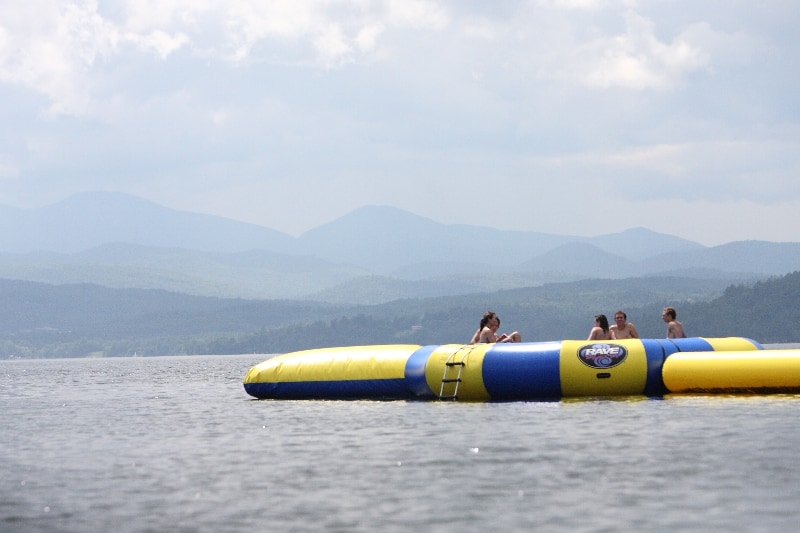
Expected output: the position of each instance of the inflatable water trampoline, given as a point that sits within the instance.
(527, 371)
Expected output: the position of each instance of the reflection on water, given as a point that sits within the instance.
(174, 443)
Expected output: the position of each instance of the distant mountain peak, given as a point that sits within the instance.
(162, 247)
(89, 219)
(371, 217)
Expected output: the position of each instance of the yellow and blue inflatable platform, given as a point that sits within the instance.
(527, 371)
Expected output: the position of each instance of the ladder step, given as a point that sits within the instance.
(455, 360)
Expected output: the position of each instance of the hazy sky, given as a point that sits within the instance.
(564, 116)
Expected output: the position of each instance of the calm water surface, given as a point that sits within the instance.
(175, 444)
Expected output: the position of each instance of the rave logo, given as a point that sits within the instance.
(602, 355)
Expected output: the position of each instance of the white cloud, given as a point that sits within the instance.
(50, 47)
(665, 159)
(735, 48)
(417, 14)
(763, 172)
(54, 47)
(368, 36)
(636, 59)
(332, 47)
(160, 42)
(481, 29)
(250, 22)
(143, 16)
(586, 5)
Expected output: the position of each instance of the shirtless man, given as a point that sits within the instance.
(622, 329)
(674, 328)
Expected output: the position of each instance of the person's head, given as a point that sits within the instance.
(487, 318)
(601, 321)
(669, 314)
(620, 318)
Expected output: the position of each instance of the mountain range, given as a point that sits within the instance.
(371, 255)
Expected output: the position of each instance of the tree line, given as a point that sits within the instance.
(84, 320)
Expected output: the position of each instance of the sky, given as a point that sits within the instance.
(574, 117)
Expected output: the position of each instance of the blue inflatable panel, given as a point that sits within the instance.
(691, 344)
(656, 351)
(415, 372)
(522, 371)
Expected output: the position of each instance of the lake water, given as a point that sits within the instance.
(175, 444)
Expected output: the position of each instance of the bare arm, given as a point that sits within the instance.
(476, 336)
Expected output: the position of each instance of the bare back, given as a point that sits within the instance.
(597, 334)
(675, 330)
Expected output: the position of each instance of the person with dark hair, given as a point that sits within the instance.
(622, 329)
(487, 331)
(600, 331)
(674, 328)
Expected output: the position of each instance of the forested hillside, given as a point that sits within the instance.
(39, 320)
(766, 311)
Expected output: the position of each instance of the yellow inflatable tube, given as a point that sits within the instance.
(750, 371)
(352, 371)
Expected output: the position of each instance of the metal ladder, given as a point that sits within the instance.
(454, 365)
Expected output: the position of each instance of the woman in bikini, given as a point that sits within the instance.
(600, 331)
(487, 331)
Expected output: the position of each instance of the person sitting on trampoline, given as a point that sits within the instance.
(487, 331)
